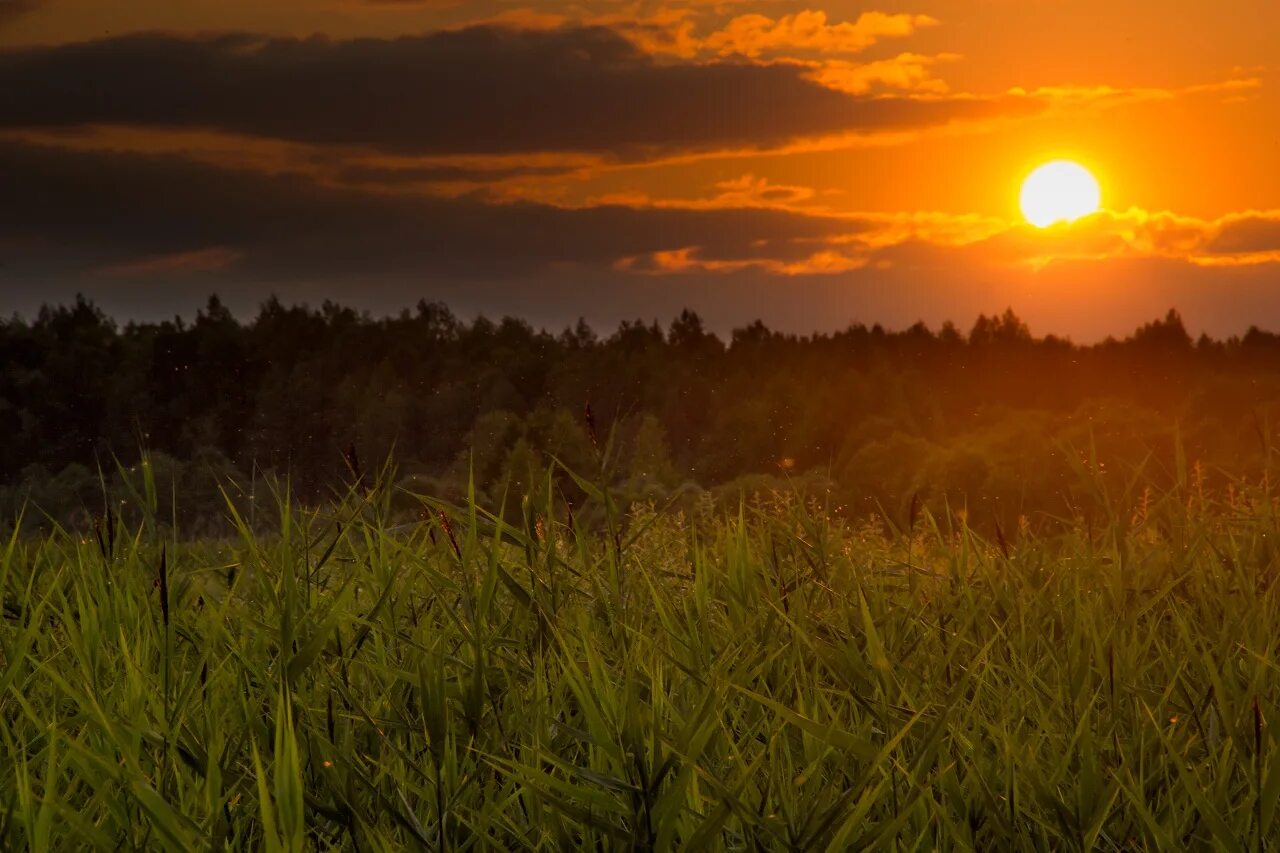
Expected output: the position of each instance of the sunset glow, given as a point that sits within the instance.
(557, 160)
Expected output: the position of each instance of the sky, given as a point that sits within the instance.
(808, 165)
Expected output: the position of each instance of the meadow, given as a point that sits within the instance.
(770, 676)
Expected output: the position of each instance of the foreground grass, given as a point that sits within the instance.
(766, 680)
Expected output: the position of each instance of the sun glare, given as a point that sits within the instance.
(1061, 191)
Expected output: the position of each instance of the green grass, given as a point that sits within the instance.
(764, 679)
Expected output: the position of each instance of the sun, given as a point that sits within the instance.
(1060, 191)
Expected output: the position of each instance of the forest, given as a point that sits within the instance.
(1007, 427)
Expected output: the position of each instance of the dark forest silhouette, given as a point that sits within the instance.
(868, 417)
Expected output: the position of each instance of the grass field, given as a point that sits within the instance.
(769, 678)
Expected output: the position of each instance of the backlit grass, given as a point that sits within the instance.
(767, 678)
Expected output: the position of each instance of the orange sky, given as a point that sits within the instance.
(811, 165)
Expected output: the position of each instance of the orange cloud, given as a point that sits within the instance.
(741, 192)
(906, 71)
(667, 31)
(198, 260)
(751, 191)
(1240, 239)
(753, 35)
(1113, 96)
(932, 241)
(690, 260)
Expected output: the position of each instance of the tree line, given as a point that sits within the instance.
(994, 421)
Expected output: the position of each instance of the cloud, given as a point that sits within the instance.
(196, 260)
(742, 192)
(1090, 97)
(141, 215)
(524, 18)
(692, 260)
(1235, 239)
(360, 174)
(161, 223)
(925, 243)
(153, 233)
(338, 165)
(1247, 234)
(938, 242)
(751, 191)
(906, 71)
(755, 35)
(480, 90)
(668, 30)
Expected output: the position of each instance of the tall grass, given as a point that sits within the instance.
(765, 679)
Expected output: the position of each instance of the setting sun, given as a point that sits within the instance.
(1061, 191)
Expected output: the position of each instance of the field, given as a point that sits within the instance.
(766, 677)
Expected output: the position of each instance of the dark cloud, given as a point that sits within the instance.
(1247, 235)
(477, 90)
(83, 211)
